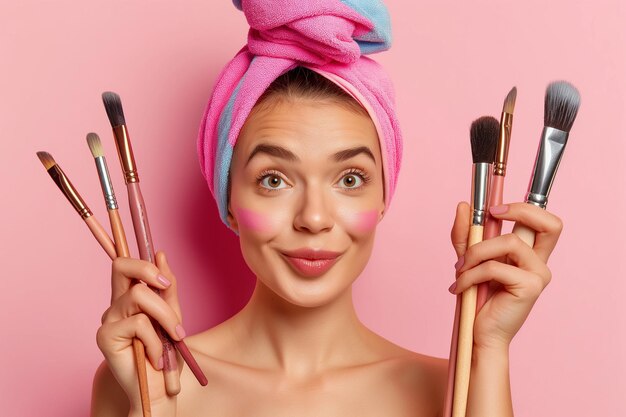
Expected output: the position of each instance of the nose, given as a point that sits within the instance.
(314, 214)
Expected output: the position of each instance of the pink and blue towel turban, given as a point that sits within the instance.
(329, 37)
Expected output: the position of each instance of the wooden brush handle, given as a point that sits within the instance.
(454, 344)
(142, 375)
(101, 236)
(466, 338)
(121, 246)
(525, 233)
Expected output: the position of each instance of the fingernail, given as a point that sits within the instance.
(452, 287)
(499, 209)
(160, 363)
(180, 331)
(459, 263)
(163, 280)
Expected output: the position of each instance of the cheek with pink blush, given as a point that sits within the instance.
(263, 222)
(252, 220)
(361, 222)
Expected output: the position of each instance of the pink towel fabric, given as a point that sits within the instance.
(326, 36)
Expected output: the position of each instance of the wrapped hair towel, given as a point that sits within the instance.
(329, 37)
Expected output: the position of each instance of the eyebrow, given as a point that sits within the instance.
(352, 152)
(273, 150)
(280, 152)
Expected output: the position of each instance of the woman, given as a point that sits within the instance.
(303, 168)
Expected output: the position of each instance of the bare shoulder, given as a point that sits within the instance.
(418, 378)
(424, 376)
(108, 399)
(215, 341)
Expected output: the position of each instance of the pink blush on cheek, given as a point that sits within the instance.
(365, 221)
(252, 220)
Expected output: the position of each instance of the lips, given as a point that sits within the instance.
(311, 262)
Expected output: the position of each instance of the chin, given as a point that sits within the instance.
(312, 295)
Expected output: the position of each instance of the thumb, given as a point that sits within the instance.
(460, 229)
(170, 294)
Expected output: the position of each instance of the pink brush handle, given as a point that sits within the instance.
(140, 222)
(493, 228)
(146, 252)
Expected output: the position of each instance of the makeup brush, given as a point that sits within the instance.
(493, 226)
(115, 113)
(484, 140)
(70, 192)
(121, 246)
(119, 236)
(561, 106)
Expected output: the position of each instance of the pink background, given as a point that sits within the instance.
(451, 62)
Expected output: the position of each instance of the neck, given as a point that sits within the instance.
(301, 341)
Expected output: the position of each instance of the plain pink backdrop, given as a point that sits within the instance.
(451, 62)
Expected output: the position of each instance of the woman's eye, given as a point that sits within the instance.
(273, 182)
(351, 181)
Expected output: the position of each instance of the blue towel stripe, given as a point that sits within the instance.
(224, 154)
(379, 38)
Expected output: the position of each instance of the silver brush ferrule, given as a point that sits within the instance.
(480, 181)
(549, 155)
(105, 183)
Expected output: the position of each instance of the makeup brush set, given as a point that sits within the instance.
(490, 147)
(118, 246)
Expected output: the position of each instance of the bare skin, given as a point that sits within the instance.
(297, 347)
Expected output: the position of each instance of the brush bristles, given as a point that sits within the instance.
(113, 106)
(509, 101)
(484, 138)
(46, 159)
(95, 146)
(561, 105)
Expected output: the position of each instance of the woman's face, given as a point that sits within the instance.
(306, 176)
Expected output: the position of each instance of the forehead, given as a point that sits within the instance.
(308, 127)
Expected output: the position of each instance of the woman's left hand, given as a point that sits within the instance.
(518, 273)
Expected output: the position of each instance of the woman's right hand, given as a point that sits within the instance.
(133, 304)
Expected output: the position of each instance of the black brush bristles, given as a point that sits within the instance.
(113, 106)
(561, 105)
(484, 138)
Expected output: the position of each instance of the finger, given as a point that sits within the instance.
(518, 282)
(509, 245)
(135, 326)
(460, 229)
(125, 270)
(141, 299)
(170, 294)
(546, 225)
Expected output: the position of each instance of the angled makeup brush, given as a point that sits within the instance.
(493, 226)
(484, 140)
(115, 113)
(561, 106)
(70, 192)
(121, 246)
